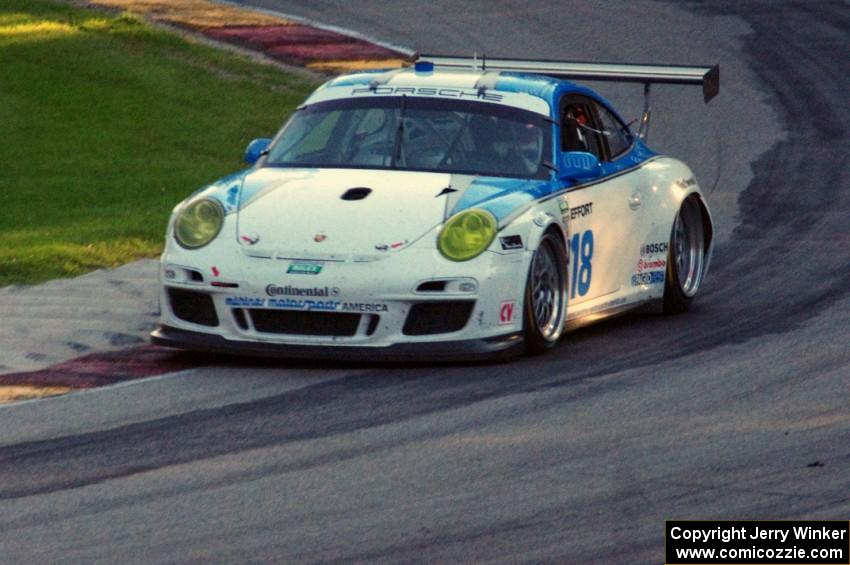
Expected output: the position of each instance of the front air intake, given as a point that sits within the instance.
(304, 323)
(427, 318)
(192, 306)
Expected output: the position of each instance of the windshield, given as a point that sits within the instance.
(414, 133)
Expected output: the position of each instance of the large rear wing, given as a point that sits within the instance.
(706, 76)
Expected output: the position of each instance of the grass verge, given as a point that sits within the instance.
(107, 124)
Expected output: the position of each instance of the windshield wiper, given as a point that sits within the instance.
(399, 133)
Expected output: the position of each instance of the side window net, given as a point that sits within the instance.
(578, 132)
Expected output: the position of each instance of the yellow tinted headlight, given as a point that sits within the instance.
(198, 223)
(466, 235)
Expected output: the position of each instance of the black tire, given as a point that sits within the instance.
(685, 257)
(545, 310)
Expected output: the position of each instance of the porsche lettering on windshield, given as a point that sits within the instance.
(461, 93)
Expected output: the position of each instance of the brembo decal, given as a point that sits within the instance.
(647, 264)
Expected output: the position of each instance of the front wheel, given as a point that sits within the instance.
(685, 258)
(545, 296)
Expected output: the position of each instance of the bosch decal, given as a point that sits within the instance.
(653, 248)
(507, 311)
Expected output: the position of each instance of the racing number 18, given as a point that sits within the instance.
(581, 252)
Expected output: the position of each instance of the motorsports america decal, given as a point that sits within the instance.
(305, 305)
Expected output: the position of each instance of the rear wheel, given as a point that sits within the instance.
(685, 258)
(545, 296)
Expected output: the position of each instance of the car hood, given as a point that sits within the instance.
(337, 213)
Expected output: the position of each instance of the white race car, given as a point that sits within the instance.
(455, 208)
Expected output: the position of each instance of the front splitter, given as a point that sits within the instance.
(496, 348)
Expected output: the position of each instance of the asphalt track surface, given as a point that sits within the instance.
(735, 410)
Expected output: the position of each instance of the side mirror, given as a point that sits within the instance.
(579, 165)
(255, 149)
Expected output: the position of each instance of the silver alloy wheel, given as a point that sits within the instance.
(547, 294)
(689, 247)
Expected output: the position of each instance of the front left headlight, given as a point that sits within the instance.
(198, 223)
(466, 235)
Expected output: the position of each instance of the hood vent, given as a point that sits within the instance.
(357, 193)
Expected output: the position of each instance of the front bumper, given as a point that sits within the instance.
(500, 347)
(412, 305)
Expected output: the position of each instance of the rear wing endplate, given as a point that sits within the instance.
(706, 76)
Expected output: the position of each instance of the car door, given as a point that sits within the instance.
(604, 213)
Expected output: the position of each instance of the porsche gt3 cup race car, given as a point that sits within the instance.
(455, 208)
